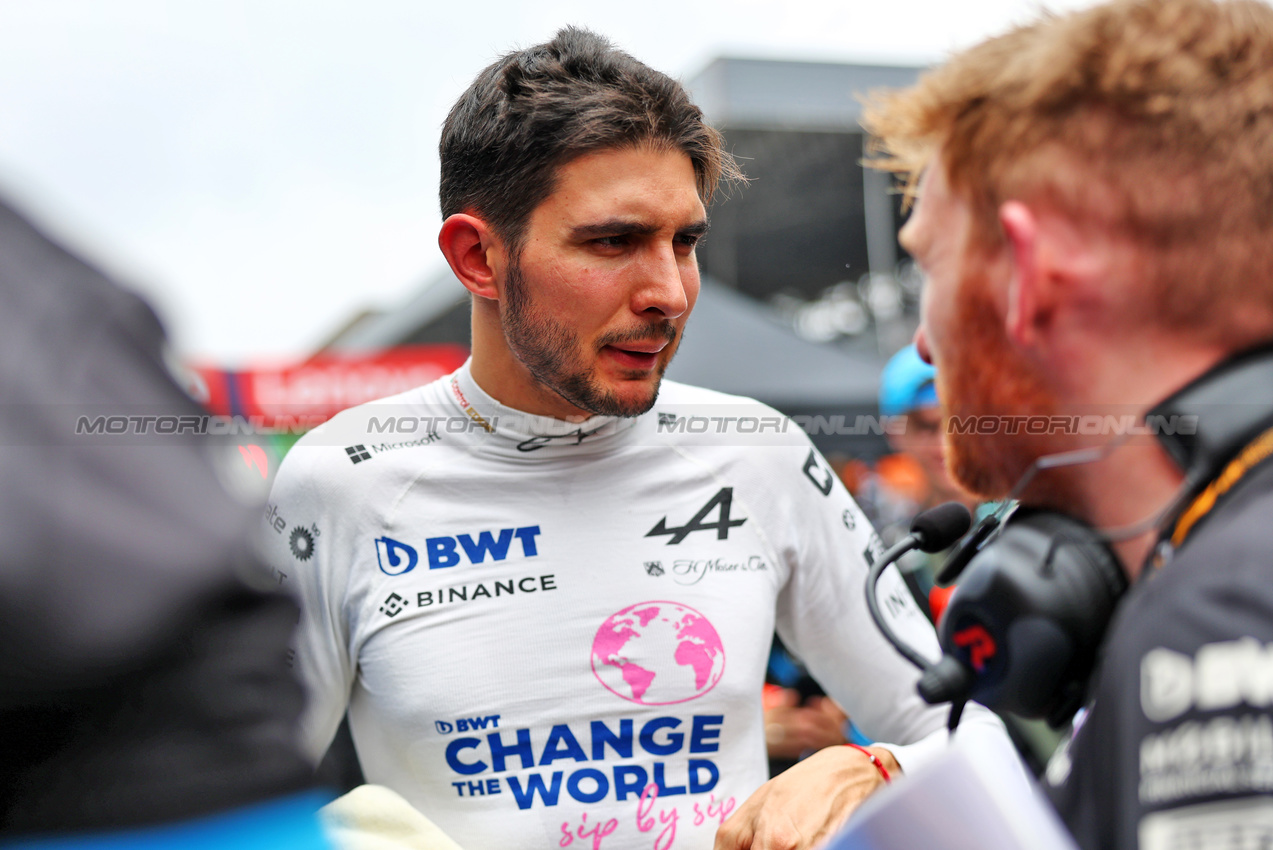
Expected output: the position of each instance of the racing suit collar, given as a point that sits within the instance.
(1228, 406)
(528, 433)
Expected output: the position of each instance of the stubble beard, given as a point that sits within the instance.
(553, 354)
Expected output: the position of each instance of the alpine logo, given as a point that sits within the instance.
(722, 501)
(395, 557)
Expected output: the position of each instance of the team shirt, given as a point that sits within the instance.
(554, 634)
(1176, 750)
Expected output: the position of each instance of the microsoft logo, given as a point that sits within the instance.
(357, 454)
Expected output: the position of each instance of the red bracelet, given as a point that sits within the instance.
(875, 760)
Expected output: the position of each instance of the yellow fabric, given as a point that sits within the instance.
(1256, 451)
(372, 817)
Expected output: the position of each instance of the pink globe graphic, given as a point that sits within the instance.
(658, 653)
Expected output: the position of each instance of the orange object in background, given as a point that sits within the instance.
(773, 696)
(854, 474)
(903, 474)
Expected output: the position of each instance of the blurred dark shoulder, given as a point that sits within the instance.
(143, 654)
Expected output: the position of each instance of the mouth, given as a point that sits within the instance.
(636, 356)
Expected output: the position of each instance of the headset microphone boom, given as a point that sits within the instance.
(1021, 631)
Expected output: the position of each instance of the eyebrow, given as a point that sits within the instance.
(615, 226)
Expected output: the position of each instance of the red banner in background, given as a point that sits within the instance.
(300, 396)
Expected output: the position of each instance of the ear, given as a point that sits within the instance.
(1027, 302)
(474, 252)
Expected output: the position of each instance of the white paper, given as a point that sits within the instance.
(957, 802)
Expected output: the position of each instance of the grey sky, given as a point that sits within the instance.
(263, 168)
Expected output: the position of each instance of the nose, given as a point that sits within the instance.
(921, 345)
(667, 284)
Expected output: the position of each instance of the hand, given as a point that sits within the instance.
(791, 730)
(806, 804)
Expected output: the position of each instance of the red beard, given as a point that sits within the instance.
(982, 380)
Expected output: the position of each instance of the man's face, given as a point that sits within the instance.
(962, 333)
(595, 304)
(923, 441)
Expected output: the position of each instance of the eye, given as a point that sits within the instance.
(611, 242)
(688, 241)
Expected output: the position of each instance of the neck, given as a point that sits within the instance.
(1115, 368)
(1138, 480)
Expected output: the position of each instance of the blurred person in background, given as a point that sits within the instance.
(549, 620)
(146, 695)
(908, 387)
(1095, 221)
(914, 478)
(800, 719)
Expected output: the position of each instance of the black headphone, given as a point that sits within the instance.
(1023, 629)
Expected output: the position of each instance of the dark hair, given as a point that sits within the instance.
(536, 109)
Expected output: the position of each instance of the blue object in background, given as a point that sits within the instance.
(287, 823)
(907, 383)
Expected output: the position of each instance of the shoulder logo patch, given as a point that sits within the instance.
(722, 501)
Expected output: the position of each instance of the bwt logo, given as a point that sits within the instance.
(465, 724)
(396, 557)
(1218, 676)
